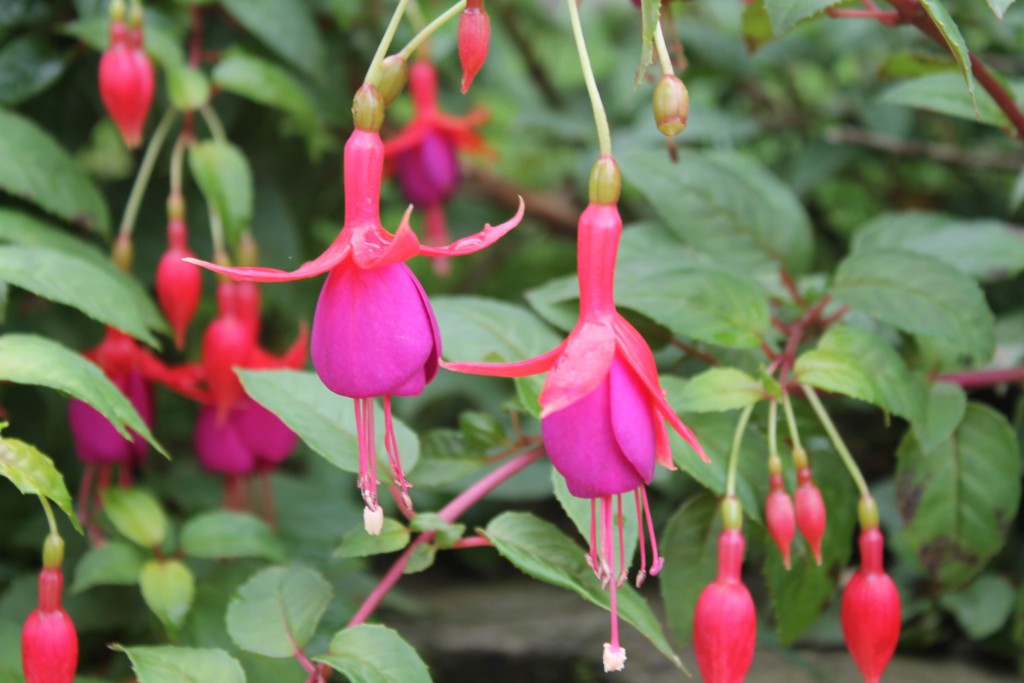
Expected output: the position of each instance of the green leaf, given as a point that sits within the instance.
(445, 458)
(1000, 6)
(168, 664)
(224, 534)
(374, 654)
(26, 230)
(650, 14)
(959, 499)
(111, 564)
(954, 41)
(545, 553)
(718, 389)
(943, 410)
(222, 172)
(35, 168)
(324, 420)
(675, 286)
(421, 559)
(168, 588)
(28, 65)
(481, 430)
(277, 610)
(726, 205)
(446, 534)
(137, 515)
(578, 510)
(28, 359)
(690, 543)
(920, 295)
(857, 362)
(78, 283)
(286, 28)
(188, 88)
(35, 474)
(983, 607)
(985, 249)
(943, 93)
(357, 543)
(785, 14)
(757, 25)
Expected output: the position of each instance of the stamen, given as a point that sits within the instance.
(391, 445)
(371, 452)
(373, 520)
(657, 562)
(623, 569)
(641, 575)
(614, 655)
(361, 437)
(614, 658)
(591, 556)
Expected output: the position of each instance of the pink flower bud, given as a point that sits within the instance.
(780, 517)
(810, 512)
(871, 614)
(178, 284)
(49, 643)
(126, 82)
(725, 622)
(474, 39)
(227, 344)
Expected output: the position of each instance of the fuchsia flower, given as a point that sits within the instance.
(49, 642)
(374, 331)
(424, 152)
(126, 78)
(603, 411)
(474, 40)
(178, 285)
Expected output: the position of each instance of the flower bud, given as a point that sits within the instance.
(605, 181)
(178, 284)
(123, 252)
(368, 109)
(871, 615)
(126, 82)
(226, 344)
(394, 72)
(780, 517)
(49, 643)
(725, 622)
(671, 105)
(810, 512)
(474, 40)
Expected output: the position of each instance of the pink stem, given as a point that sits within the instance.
(974, 379)
(473, 542)
(449, 513)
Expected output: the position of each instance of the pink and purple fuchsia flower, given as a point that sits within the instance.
(603, 411)
(374, 332)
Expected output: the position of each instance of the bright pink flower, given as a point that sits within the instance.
(871, 614)
(725, 622)
(474, 40)
(178, 285)
(810, 511)
(126, 81)
(780, 517)
(49, 642)
(603, 411)
(361, 342)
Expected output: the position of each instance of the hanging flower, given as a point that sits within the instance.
(126, 77)
(474, 40)
(49, 642)
(603, 411)
(374, 332)
(424, 153)
(178, 285)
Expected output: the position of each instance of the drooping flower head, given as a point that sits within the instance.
(474, 40)
(811, 517)
(49, 642)
(423, 153)
(603, 412)
(126, 75)
(779, 516)
(178, 285)
(374, 331)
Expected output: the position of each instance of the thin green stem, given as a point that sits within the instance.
(604, 134)
(787, 407)
(213, 123)
(177, 166)
(837, 441)
(429, 29)
(131, 209)
(734, 454)
(415, 13)
(49, 515)
(664, 59)
(773, 438)
(385, 42)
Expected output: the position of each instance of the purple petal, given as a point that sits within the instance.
(632, 419)
(140, 393)
(96, 440)
(374, 333)
(220, 446)
(429, 172)
(263, 432)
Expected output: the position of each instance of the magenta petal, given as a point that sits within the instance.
(264, 433)
(220, 446)
(582, 444)
(96, 440)
(429, 172)
(140, 393)
(374, 332)
(632, 419)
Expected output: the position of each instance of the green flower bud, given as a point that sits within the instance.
(605, 181)
(368, 108)
(671, 105)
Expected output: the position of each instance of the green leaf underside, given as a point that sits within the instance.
(29, 359)
(33, 473)
(545, 553)
(718, 389)
(225, 534)
(34, 167)
(112, 564)
(726, 206)
(943, 411)
(357, 543)
(958, 500)
(859, 363)
(920, 295)
(578, 510)
(785, 14)
(168, 664)
(324, 420)
(137, 515)
(277, 610)
(954, 41)
(375, 654)
(168, 588)
(650, 14)
(944, 93)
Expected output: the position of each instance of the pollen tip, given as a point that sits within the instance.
(373, 520)
(641, 577)
(657, 565)
(614, 658)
